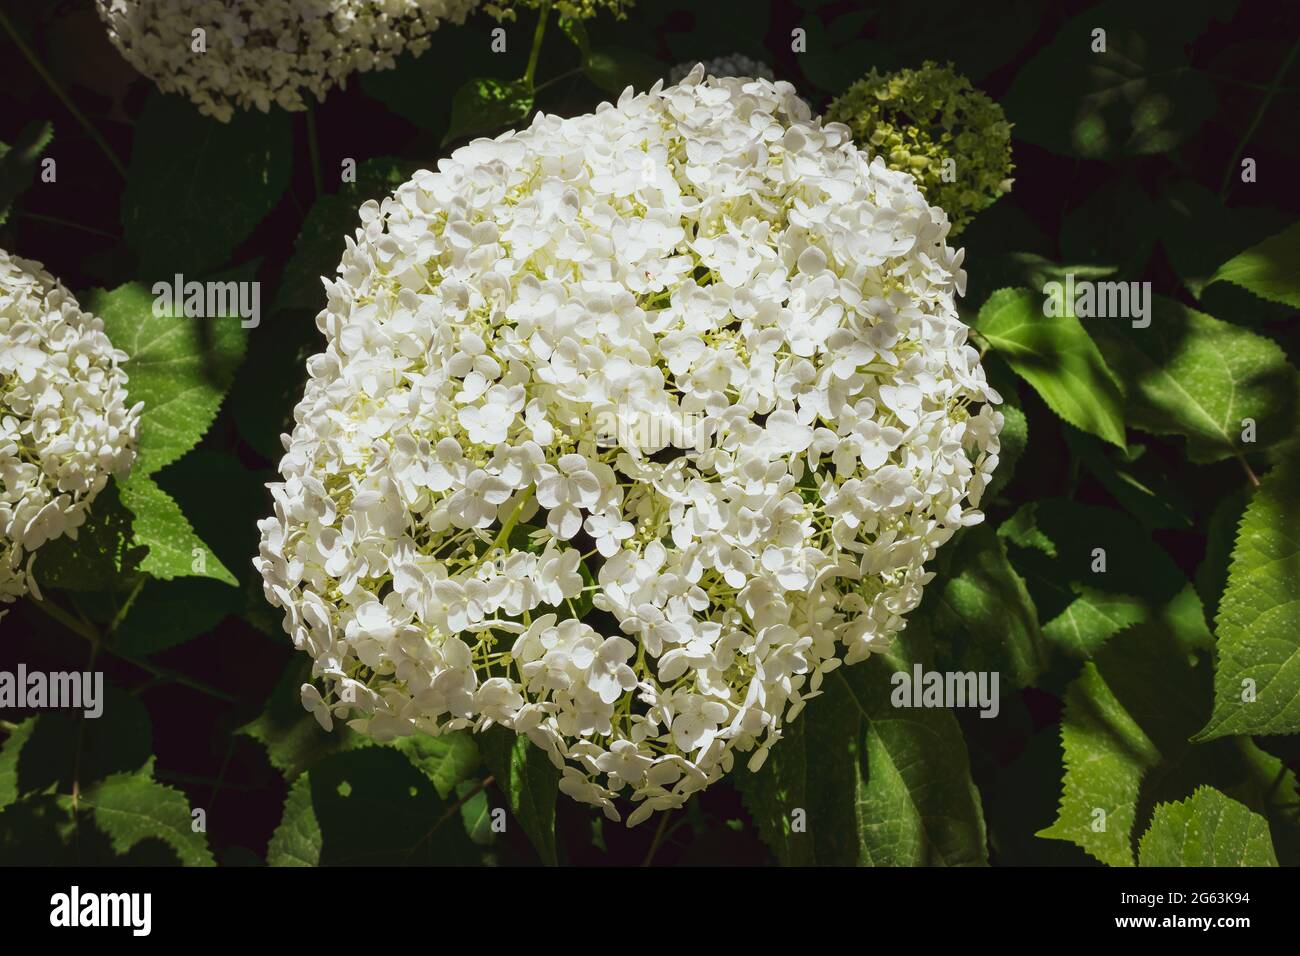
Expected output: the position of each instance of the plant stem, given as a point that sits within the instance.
(58, 91)
(504, 535)
(126, 606)
(53, 611)
(1250, 472)
(221, 775)
(55, 220)
(1273, 90)
(658, 838)
(534, 55)
(89, 633)
(451, 811)
(555, 79)
(175, 677)
(81, 734)
(313, 148)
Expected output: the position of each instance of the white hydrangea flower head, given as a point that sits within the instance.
(268, 53)
(691, 361)
(64, 422)
(737, 64)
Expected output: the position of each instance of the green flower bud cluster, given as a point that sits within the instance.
(919, 120)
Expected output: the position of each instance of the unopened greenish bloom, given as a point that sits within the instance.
(931, 123)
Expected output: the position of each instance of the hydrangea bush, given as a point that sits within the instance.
(269, 53)
(710, 350)
(65, 425)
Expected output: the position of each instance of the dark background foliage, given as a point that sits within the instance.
(195, 660)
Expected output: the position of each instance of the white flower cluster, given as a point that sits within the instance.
(269, 52)
(630, 428)
(737, 64)
(64, 422)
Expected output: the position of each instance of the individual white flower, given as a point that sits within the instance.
(609, 676)
(696, 722)
(255, 55)
(64, 422)
(609, 532)
(549, 308)
(567, 491)
(316, 706)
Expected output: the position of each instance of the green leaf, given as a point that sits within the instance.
(1258, 626)
(1115, 225)
(418, 89)
(1126, 717)
(174, 549)
(576, 31)
(178, 367)
(320, 243)
(1014, 437)
(9, 754)
(530, 783)
(169, 613)
(897, 779)
(133, 807)
(1190, 374)
(981, 616)
(293, 739)
(1025, 270)
(1142, 487)
(1055, 546)
(373, 808)
(1068, 535)
(119, 741)
(448, 760)
(101, 556)
(1221, 538)
(41, 831)
(1271, 269)
(230, 531)
(197, 188)
(476, 813)
(1199, 233)
(1017, 803)
(834, 59)
(1091, 619)
(1139, 97)
(1125, 735)
(780, 788)
(485, 105)
(614, 69)
(1056, 357)
(18, 162)
(917, 804)
(297, 840)
(1207, 829)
